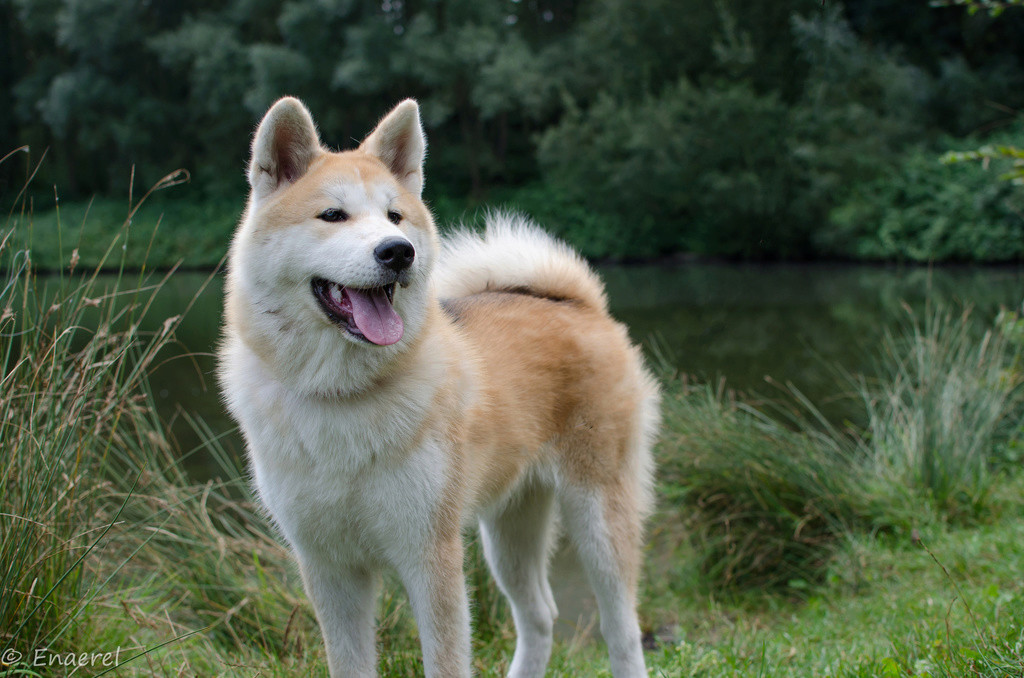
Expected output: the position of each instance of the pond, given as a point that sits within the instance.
(737, 322)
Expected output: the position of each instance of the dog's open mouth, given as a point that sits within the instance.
(367, 314)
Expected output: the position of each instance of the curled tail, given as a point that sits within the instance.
(514, 254)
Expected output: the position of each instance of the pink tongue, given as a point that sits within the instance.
(375, 317)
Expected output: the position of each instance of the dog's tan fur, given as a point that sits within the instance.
(511, 391)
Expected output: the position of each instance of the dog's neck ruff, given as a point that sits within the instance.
(394, 368)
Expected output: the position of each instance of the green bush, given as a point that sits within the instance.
(721, 167)
(922, 210)
(690, 169)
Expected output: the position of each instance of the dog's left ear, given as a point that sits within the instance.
(399, 142)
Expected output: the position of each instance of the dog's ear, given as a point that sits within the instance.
(285, 144)
(399, 142)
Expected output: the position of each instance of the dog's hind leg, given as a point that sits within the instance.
(345, 601)
(516, 543)
(604, 524)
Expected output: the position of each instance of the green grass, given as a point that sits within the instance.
(887, 609)
(782, 546)
(172, 228)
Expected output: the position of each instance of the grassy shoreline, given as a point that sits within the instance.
(834, 554)
(195, 231)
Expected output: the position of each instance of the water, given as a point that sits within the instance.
(741, 323)
(792, 323)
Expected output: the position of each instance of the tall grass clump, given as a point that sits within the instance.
(948, 398)
(72, 403)
(765, 503)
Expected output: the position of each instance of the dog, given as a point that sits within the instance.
(395, 389)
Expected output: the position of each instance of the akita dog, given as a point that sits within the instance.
(394, 389)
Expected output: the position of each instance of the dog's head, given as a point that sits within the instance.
(334, 247)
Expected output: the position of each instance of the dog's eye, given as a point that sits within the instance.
(394, 217)
(333, 214)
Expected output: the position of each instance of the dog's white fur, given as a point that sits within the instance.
(379, 455)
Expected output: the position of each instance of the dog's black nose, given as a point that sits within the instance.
(395, 253)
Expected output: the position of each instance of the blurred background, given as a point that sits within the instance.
(764, 129)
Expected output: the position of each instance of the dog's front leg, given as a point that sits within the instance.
(344, 599)
(437, 592)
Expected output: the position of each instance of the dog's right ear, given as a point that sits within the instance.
(285, 144)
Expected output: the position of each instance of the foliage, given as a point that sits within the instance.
(988, 153)
(922, 210)
(725, 169)
(711, 127)
(993, 7)
(704, 161)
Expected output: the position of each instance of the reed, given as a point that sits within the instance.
(73, 407)
(948, 399)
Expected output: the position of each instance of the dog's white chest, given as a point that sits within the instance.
(330, 475)
(373, 511)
